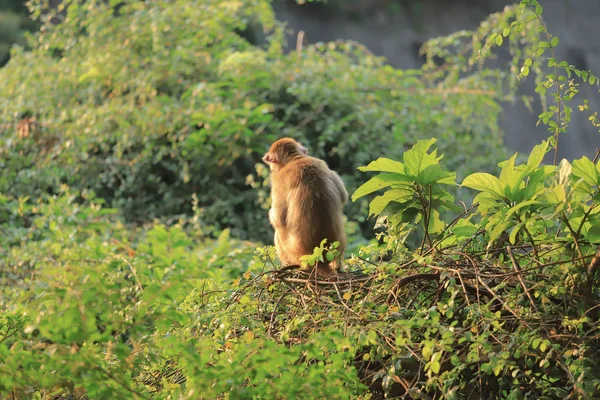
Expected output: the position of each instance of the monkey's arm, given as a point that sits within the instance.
(339, 185)
(278, 214)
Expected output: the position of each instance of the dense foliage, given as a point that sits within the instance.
(13, 25)
(169, 99)
(162, 109)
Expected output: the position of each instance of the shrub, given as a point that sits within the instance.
(494, 300)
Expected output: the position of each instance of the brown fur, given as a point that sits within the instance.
(307, 200)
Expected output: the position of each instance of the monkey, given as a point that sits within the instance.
(307, 200)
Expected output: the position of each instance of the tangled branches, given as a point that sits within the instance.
(455, 322)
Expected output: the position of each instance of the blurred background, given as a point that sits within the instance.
(396, 30)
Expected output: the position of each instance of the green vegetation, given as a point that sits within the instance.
(169, 100)
(14, 24)
(132, 183)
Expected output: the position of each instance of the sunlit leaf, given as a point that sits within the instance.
(483, 182)
(379, 182)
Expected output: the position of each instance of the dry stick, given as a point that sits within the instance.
(293, 289)
(597, 155)
(251, 281)
(409, 279)
(137, 280)
(466, 293)
(274, 312)
(337, 290)
(505, 274)
(317, 282)
(485, 285)
(517, 268)
(574, 234)
(418, 90)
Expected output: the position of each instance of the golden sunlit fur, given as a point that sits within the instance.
(307, 201)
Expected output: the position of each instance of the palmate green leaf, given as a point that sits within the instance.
(585, 169)
(417, 159)
(484, 182)
(509, 177)
(523, 172)
(384, 165)
(380, 202)
(535, 184)
(379, 182)
(435, 174)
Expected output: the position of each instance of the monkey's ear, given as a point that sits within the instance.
(270, 158)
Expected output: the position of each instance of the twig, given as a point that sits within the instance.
(137, 280)
(417, 90)
(409, 279)
(597, 155)
(517, 268)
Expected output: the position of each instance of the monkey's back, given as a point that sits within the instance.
(314, 204)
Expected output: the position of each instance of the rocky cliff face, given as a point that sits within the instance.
(398, 34)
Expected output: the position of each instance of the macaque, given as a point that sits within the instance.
(307, 200)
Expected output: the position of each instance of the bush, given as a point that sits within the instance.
(92, 308)
(496, 300)
(169, 99)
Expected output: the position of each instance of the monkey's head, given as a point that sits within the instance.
(283, 151)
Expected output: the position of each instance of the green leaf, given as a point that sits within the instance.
(435, 365)
(585, 169)
(499, 40)
(593, 234)
(379, 182)
(384, 165)
(436, 224)
(497, 231)
(509, 177)
(380, 202)
(515, 231)
(417, 159)
(435, 174)
(483, 182)
(516, 178)
(554, 41)
(465, 230)
(537, 155)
